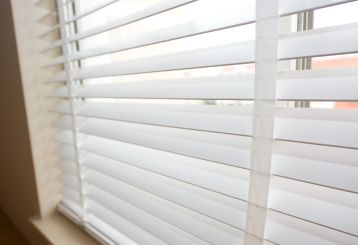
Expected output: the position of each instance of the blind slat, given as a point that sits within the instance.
(225, 181)
(323, 165)
(294, 6)
(318, 126)
(284, 229)
(221, 148)
(221, 87)
(121, 225)
(335, 89)
(203, 25)
(198, 225)
(139, 15)
(91, 10)
(228, 180)
(285, 8)
(338, 84)
(319, 42)
(221, 119)
(176, 61)
(227, 149)
(99, 228)
(212, 204)
(325, 206)
(300, 44)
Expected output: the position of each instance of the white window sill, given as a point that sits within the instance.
(58, 230)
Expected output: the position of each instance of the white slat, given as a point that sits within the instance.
(106, 232)
(122, 225)
(300, 44)
(285, 7)
(319, 42)
(166, 231)
(323, 84)
(196, 224)
(91, 10)
(223, 179)
(145, 13)
(201, 200)
(325, 206)
(222, 119)
(217, 118)
(229, 180)
(336, 127)
(284, 229)
(200, 26)
(175, 61)
(329, 166)
(221, 87)
(228, 149)
(294, 6)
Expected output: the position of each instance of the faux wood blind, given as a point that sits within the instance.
(183, 133)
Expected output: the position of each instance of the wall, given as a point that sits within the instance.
(32, 18)
(18, 195)
(29, 162)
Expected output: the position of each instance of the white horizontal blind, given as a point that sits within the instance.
(313, 193)
(171, 118)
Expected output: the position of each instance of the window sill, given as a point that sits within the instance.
(58, 230)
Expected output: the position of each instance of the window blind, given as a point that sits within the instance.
(176, 123)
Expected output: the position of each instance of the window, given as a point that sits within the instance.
(201, 122)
